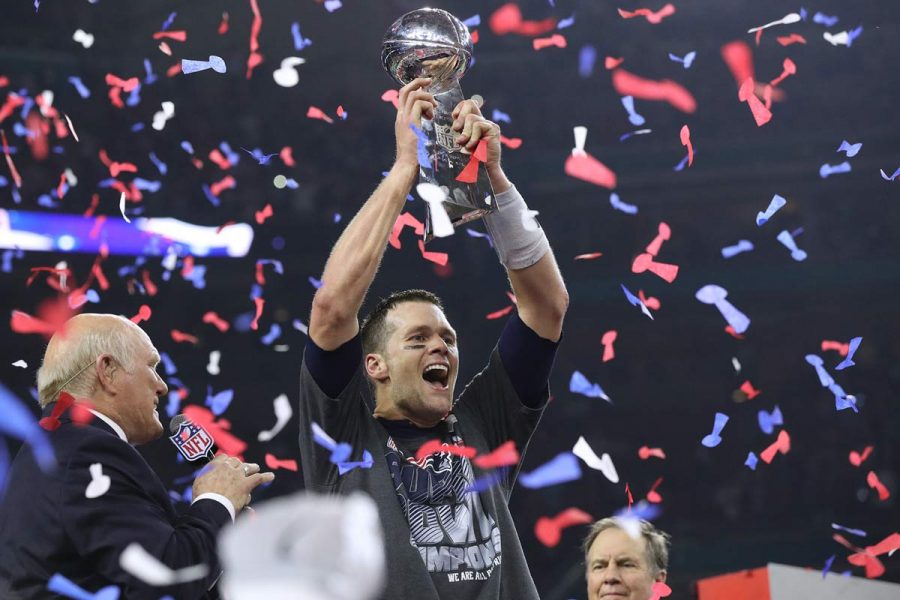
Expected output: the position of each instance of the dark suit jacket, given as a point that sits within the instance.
(48, 525)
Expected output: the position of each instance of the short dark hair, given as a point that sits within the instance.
(374, 329)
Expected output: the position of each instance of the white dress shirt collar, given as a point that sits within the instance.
(115, 426)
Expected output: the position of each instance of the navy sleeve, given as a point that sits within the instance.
(527, 358)
(333, 369)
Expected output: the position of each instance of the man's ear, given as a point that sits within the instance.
(661, 576)
(377, 368)
(106, 368)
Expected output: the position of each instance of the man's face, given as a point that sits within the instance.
(617, 568)
(423, 361)
(139, 393)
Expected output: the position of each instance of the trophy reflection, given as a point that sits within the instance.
(430, 42)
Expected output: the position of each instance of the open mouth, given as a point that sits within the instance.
(437, 375)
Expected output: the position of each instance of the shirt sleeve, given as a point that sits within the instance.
(332, 370)
(528, 359)
(229, 506)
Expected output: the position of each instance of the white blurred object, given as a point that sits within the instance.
(283, 414)
(146, 567)
(435, 196)
(305, 546)
(83, 38)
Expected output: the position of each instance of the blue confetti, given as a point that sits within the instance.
(851, 149)
(168, 21)
(587, 57)
(473, 21)
(160, 165)
(826, 169)
(823, 19)
(500, 116)
(218, 403)
(83, 91)
(848, 362)
(741, 246)
(564, 467)
(567, 22)
(714, 439)
(751, 461)
(151, 77)
(768, 421)
(579, 384)
(300, 42)
(316, 283)
(616, 203)
(60, 585)
(635, 301)
(274, 334)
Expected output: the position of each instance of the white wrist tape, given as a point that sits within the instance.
(518, 245)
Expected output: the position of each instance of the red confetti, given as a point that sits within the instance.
(287, 156)
(260, 303)
(607, 342)
(652, 17)
(217, 157)
(730, 331)
(499, 313)
(277, 463)
(508, 19)
(439, 258)
(470, 173)
(782, 444)
(474, 34)
(225, 440)
(174, 70)
(611, 63)
(97, 271)
(148, 283)
(404, 220)
(664, 234)
(180, 336)
(481, 150)
(223, 26)
(225, 184)
(13, 101)
(548, 530)
(628, 84)
(127, 85)
(628, 495)
(644, 262)
(645, 452)
(761, 114)
(511, 143)
(686, 141)
(178, 36)
(652, 495)
(649, 301)
(748, 390)
(503, 456)
(856, 459)
(340, 112)
(875, 484)
(216, 321)
(315, 112)
(660, 590)
(95, 201)
(843, 349)
(17, 179)
(224, 225)
(432, 446)
(392, 96)
(587, 168)
(265, 213)
(789, 68)
(556, 39)
(188, 266)
(589, 256)
(794, 38)
(21, 322)
(143, 314)
(888, 544)
(255, 59)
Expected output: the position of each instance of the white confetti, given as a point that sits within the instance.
(84, 38)
(213, 367)
(21, 364)
(283, 414)
(71, 127)
(160, 118)
(287, 75)
(99, 484)
(146, 567)
(440, 220)
(603, 464)
(122, 207)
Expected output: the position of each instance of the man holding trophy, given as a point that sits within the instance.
(386, 388)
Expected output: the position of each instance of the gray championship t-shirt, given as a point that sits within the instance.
(447, 527)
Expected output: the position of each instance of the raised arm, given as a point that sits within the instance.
(354, 260)
(530, 265)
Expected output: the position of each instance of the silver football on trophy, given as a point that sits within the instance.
(428, 42)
